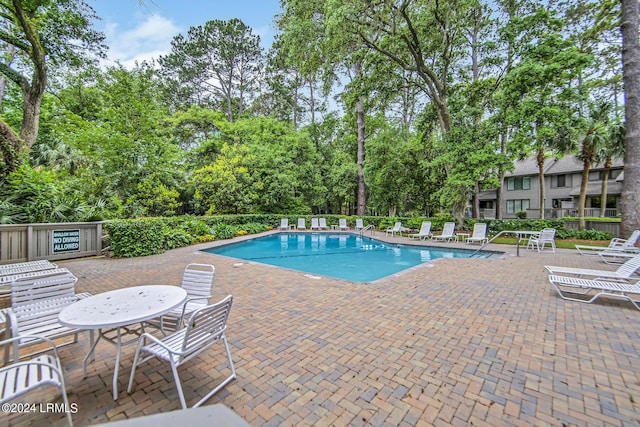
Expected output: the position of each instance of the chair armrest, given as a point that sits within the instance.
(35, 338)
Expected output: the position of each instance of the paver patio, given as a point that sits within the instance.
(460, 342)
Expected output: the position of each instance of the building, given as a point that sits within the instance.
(562, 178)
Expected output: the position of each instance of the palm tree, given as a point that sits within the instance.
(594, 138)
(613, 148)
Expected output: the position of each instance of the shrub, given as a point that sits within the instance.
(224, 231)
(135, 237)
(175, 238)
(521, 214)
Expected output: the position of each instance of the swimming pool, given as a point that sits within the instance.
(343, 256)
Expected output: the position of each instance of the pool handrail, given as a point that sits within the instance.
(518, 238)
(368, 227)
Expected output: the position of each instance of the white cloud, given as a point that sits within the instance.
(149, 39)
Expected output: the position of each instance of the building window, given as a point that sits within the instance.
(613, 174)
(516, 205)
(562, 180)
(520, 183)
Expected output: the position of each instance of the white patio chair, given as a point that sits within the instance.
(625, 273)
(479, 233)
(205, 328)
(425, 231)
(448, 232)
(19, 378)
(342, 224)
(397, 228)
(315, 225)
(197, 280)
(615, 245)
(301, 224)
(284, 224)
(359, 224)
(546, 236)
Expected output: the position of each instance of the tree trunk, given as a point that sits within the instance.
(605, 187)
(540, 160)
(10, 145)
(586, 165)
(630, 202)
(362, 191)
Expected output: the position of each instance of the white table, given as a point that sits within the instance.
(117, 309)
(520, 234)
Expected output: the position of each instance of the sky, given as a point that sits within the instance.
(139, 32)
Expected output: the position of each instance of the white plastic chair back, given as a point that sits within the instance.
(284, 223)
(359, 224)
(632, 240)
(448, 229)
(479, 230)
(198, 280)
(629, 268)
(205, 327)
(323, 223)
(301, 223)
(343, 224)
(425, 228)
(314, 223)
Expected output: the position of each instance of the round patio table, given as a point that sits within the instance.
(117, 309)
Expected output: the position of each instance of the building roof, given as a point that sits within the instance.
(571, 163)
(553, 166)
(528, 166)
(595, 189)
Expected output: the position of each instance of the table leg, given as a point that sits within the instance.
(91, 351)
(115, 369)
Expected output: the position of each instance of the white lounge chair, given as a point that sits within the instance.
(397, 228)
(359, 224)
(301, 224)
(479, 233)
(342, 224)
(447, 232)
(425, 231)
(323, 224)
(315, 225)
(615, 245)
(624, 273)
(546, 236)
(576, 286)
(616, 257)
(284, 224)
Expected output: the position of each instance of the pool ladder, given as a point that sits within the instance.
(368, 227)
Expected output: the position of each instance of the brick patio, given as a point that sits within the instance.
(460, 342)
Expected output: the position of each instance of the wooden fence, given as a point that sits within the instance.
(31, 242)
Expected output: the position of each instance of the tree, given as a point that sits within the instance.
(44, 33)
(593, 141)
(226, 186)
(630, 202)
(218, 64)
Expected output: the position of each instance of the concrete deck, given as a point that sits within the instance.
(484, 342)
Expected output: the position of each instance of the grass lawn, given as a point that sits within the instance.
(560, 243)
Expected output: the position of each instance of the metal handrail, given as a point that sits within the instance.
(368, 227)
(518, 238)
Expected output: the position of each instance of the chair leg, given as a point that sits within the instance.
(178, 385)
(226, 381)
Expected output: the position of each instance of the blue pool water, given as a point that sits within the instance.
(344, 256)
